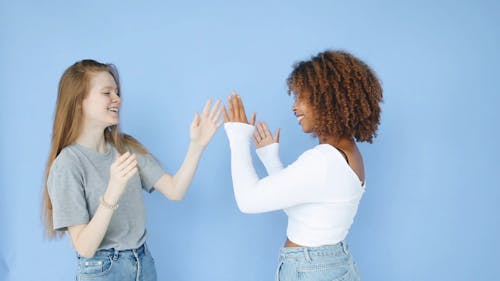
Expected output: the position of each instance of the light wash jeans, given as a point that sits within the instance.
(325, 263)
(110, 265)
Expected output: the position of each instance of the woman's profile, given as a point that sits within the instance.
(96, 175)
(337, 99)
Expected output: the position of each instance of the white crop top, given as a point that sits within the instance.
(319, 192)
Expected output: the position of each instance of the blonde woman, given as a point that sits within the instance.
(96, 175)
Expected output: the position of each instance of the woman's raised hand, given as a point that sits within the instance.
(236, 111)
(124, 167)
(205, 125)
(263, 135)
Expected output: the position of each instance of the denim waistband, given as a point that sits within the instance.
(308, 252)
(115, 254)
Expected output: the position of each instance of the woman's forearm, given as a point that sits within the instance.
(175, 187)
(269, 155)
(86, 238)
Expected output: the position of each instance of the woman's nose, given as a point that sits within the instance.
(116, 98)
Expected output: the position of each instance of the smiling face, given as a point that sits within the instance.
(304, 112)
(101, 106)
(343, 94)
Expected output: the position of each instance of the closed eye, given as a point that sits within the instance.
(108, 93)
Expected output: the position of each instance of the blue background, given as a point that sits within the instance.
(431, 209)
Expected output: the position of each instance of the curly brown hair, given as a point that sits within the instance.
(344, 92)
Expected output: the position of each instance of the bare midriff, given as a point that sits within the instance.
(289, 244)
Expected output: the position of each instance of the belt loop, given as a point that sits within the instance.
(307, 255)
(278, 270)
(344, 247)
(115, 254)
(138, 263)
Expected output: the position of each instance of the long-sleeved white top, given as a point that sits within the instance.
(319, 192)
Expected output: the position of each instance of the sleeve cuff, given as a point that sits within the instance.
(238, 131)
(268, 152)
(269, 156)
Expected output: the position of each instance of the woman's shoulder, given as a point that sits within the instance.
(313, 155)
(316, 151)
(66, 159)
(330, 152)
(322, 154)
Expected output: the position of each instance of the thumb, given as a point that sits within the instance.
(252, 119)
(277, 135)
(196, 120)
(226, 116)
(116, 160)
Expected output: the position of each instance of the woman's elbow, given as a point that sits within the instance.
(246, 207)
(84, 249)
(86, 253)
(176, 197)
(171, 193)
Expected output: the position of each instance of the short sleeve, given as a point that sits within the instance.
(150, 170)
(66, 191)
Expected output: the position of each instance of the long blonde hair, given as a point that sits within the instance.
(73, 88)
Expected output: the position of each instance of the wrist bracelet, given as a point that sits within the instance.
(107, 205)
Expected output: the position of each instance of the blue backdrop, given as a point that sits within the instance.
(431, 209)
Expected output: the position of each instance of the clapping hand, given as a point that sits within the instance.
(122, 169)
(205, 125)
(263, 135)
(236, 112)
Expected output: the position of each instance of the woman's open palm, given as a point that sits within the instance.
(236, 111)
(263, 136)
(205, 125)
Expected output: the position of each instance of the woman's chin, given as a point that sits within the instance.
(306, 130)
(115, 123)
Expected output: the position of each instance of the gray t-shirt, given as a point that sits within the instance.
(79, 177)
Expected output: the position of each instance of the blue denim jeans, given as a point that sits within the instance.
(325, 263)
(110, 265)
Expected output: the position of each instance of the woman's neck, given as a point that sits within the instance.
(93, 139)
(338, 142)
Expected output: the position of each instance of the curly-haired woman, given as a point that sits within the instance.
(337, 99)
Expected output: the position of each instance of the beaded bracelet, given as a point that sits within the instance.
(107, 205)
